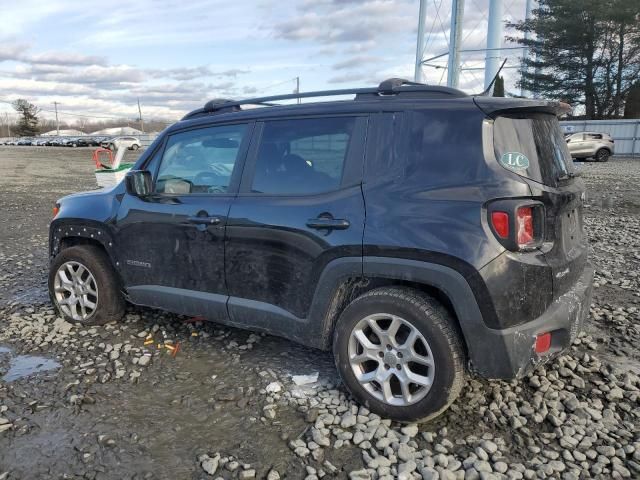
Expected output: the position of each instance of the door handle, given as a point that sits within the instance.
(328, 223)
(204, 220)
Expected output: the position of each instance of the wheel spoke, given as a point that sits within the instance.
(366, 355)
(376, 328)
(367, 377)
(364, 341)
(416, 378)
(392, 331)
(404, 385)
(422, 360)
(411, 340)
(88, 303)
(386, 390)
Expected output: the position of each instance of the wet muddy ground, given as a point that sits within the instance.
(114, 402)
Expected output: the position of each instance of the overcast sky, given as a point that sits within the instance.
(97, 57)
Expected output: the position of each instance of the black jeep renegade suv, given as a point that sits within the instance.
(415, 230)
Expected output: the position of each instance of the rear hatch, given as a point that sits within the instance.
(528, 141)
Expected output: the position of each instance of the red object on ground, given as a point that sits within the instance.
(98, 155)
(543, 342)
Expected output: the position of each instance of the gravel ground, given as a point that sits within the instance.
(115, 402)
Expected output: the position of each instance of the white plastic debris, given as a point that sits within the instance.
(274, 387)
(305, 379)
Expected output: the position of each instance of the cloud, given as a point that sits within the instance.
(355, 62)
(348, 78)
(349, 21)
(20, 53)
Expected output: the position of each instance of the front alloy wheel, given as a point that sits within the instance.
(76, 291)
(84, 287)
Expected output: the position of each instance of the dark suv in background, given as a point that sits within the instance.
(416, 231)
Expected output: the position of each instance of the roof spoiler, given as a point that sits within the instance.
(494, 106)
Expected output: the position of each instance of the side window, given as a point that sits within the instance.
(200, 161)
(302, 156)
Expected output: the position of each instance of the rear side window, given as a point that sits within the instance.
(302, 156)
(532, 146)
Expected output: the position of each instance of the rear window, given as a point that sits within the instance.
(532, 146)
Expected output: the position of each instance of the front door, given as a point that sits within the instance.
(300, 206)
(171, 244)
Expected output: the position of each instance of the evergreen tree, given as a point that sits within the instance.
(585, 53)
(498, 87)
(28, 123)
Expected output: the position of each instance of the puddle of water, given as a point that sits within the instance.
(26, 365)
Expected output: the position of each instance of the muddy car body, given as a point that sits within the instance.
(416, 231)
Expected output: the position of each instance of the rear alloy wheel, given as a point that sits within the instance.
(391, 359)
(84, 287)
(135, 147)
(397, 351)
(603, 155)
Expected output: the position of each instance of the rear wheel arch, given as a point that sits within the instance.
(440, 282)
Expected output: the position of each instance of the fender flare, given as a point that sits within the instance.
(479, 339)
(85, 229)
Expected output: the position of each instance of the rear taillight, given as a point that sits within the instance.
(524, 226)
(517, 224)
(500, 222)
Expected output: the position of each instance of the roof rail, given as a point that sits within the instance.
(389, 87)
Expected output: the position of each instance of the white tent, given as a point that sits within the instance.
(65, 133)
(118, 131)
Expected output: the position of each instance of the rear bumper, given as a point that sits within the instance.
(509, 353)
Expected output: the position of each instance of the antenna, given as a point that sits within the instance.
(488, 89)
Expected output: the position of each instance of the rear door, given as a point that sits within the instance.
(300, 206)
(172, 243)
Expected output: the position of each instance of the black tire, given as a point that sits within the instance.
(433, 321)
(135, 147)
(110, 304)
(602, 155)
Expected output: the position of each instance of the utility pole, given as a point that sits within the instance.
(298, 88)
(455, 38)
(422, 13)
(494, 41)
(527, 36)
(140, 114)
(55, 104)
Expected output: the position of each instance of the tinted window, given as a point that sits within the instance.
(200, 161)
(302, 156)
(532, 146)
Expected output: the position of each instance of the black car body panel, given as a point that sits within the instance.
(412, 207)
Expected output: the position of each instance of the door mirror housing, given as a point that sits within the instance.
(139, 183)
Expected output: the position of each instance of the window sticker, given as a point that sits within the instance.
(515, 160)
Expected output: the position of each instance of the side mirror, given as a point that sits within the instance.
(138, 183)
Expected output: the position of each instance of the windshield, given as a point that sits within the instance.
(532, 145)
